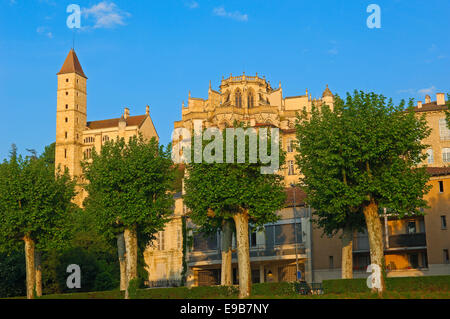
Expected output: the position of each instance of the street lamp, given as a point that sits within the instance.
(295, 233)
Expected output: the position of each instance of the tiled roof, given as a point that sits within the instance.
(428, 107)
(300, 197)
(438, 171)
(72, 65)
(131, 121)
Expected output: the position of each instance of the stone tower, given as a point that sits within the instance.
(70, 115)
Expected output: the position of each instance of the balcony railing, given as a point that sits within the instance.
(255, 251)
(361, 243)
(407, 240)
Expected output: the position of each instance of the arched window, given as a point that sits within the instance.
(89, 140)
(88, 153)
(238, 97)
(227, 96)
(251, 99)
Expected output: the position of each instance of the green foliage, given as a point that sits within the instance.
(274, 289)
(33, 201)
(365, 149)
(133, 287)
(93, 248)
(12, 274)
(185, 246)
(447, 112)
(128, 185)
(96, 274)
(216, 191)
(399, 284)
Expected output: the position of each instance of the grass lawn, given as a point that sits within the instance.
(199, 293)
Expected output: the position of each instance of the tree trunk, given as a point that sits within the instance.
(30, 267)
(347, 253)
(38, 270)
(131, 256)
(227, 239)
(245, 280)
(122, 261)
(375, 233)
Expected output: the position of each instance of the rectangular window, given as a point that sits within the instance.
(444, 132)
(252, 238)
(286, 233)
(446, 257)
(179, 239)
(65, 153)
(446, 155)
(291, 168)
(413, 260)
(331, 262)
(441, 186)
(161, 240)
(430, 156)
(412, 227)
(289, 146)
(443, 222)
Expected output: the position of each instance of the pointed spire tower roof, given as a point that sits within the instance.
(72, 65)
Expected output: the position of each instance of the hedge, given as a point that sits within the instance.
(429, 283)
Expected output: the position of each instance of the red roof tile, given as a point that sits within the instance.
(429, 107)
(300, 197)
(131, 121)
(438, 171)
(72, 65)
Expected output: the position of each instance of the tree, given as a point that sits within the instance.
(129, 190)
(447, 112)
(33, 206)
(218, 191)
(370, 160)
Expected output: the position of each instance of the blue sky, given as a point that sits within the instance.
(138, 52)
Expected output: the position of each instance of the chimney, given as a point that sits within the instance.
(147, 110)
(126, 113)
(419, 104)
(427, 99)
(440, 99)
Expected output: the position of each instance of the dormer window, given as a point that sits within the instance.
(89, 139)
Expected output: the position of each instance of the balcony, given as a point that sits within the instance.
(408, 240)
(361, 243)
(255, 252)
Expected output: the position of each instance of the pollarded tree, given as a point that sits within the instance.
(223, 185)
(371, 160)
(129, 189)
(33, 206)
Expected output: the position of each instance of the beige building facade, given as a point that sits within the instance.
(416, 246)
